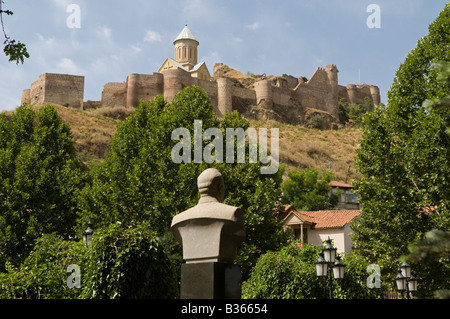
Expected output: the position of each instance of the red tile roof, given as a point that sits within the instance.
(323, 219)
(340, 184)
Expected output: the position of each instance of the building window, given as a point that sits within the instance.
(184, 53)
(190, 53)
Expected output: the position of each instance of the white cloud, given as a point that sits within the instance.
(211, 59)
(152, 36)
(68, 66)
(255, 25)
(62, 3)
(103, 32)
(237, 40)
(135, 48)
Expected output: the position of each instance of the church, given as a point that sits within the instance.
(186, 54)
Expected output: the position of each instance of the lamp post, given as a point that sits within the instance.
(329, 262)
(405, 281)
(88, 233)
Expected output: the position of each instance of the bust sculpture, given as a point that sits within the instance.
(210, 231)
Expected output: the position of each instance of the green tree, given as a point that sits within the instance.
(39, 180)
(353, 113)
(306, 190)
(404, 159)
(139, 181)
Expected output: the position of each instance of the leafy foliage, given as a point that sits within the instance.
(286, 274)
(306, 190)
(128, 262)
(39, 180)
(405, 159)
(353, 113)
(43, 275)
(290, 274)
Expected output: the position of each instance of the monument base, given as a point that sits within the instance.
(210, 280)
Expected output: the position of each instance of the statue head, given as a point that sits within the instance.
(210, 183)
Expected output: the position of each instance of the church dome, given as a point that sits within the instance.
(185, 34)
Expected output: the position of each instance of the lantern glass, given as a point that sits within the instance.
(87, 234)
(338, 269)
(412, 284)
(401, 281)
(406, 270)
(329, 252)
(321, 266)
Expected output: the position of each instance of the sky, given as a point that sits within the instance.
(112, 39)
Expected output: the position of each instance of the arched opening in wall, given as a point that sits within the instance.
(184, 53)
(190, 53)
(179, 53)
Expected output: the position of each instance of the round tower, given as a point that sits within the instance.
(264, 95)
(224, 95)
(186, 48)
(375, 92)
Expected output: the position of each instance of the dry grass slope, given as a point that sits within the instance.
(299, 147)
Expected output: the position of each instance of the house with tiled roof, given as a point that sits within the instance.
(314, 227)
(347, 199)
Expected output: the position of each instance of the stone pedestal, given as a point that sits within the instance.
(210, 234)
(211, 280)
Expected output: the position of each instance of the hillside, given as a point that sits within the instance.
(299, 147)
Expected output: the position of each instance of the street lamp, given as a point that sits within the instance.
(405, 281)
(329, 262)
(88, 233)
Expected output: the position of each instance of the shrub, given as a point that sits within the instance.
(129, 262)
(287, 274)
(43, 275)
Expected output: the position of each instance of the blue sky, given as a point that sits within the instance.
(295, 37)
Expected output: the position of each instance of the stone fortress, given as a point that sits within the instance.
(282, 97)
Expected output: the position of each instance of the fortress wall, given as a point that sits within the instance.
(175, 80)
(64, 89)
(37, 90)
(311, 96)
(114, 94)
(357, 93)
(242, 98)
(281, 96)
(143, 87)
(291, 81)
(211, 88)
(26, 96)
(342, 93)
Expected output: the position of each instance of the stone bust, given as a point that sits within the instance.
(210, 231)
